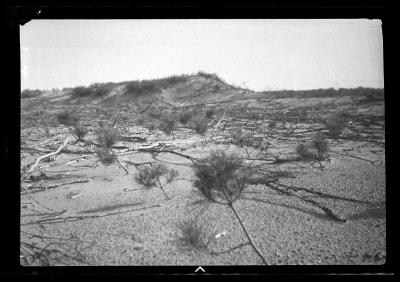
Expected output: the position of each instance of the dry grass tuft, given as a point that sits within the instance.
(191, 234)
(107, 136)
(220, 178)
(106, 156)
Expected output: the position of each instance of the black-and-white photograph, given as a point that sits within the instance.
(206, 142)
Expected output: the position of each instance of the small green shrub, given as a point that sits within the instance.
(272, 124)
(28, 93)
(172, 174)
(219, 177)
(198, 124)
(185, 116)
(167, 123)
(191, 234)
(210, 112)
(304, 153)
(155, 112)
(107, 136)
(148, 176)
(335, 125)
(81, 91)
(79, 131)
(68, 117)
(139, 88)
(105, 156)
(321, 146)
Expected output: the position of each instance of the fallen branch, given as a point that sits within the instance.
(43, 158)
(64, 219)
(320, 206)
(352, 156)
(53, 185)
(325, 195)
(121, 166)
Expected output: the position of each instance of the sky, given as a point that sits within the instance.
(257, 54)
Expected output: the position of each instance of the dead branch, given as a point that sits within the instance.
(325, 195)
(41, 188)
(121, 166)
(71, 218)
(43, 158)
(353, 156)
(307, 200)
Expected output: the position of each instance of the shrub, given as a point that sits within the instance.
(139, 88)
(102, 89)
(303, 152)
(321, 146)
(79, 131)
(172, 174)
(318, 144)
(219, 176)
(336, 125)
(67, 117)
(198, 124)
(185, 116)
(107, 136)
(105, 156)
(191, 234)
(154, 112)
(28, 93)
(148, 176)
(210, 112)
(80, 92)
(167, 123)
(272, 124)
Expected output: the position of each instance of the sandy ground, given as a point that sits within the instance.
(285, 229)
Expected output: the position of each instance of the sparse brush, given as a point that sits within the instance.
(155, 112)
(148, 176)
(167, 123)
(172, 174)
(191, 234)
(28, 93)
(303, 152)
(272, 124)
(68, 117)
(220, 177)
(186, 116)
(335, 125)
(79, 131)
(198, 124)
(106, 156)
(107, 136)
(81, 91)
(321, 145)
(210, 112)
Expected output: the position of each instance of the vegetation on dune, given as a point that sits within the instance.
(107, 136)
(167, 123)
(68, 117)
(106, 156)
(199, 124)
(336, 124)
(220, 177)
(29, 93)
(191, 234)
(371, 93)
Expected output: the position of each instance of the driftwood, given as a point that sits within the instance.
(43, 158)
(274, 185)
(71, 218)
(46, 187)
